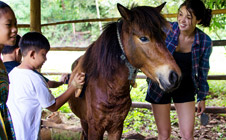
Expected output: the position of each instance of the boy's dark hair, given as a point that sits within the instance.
(9, 49)
(33, 41)
(4, 8)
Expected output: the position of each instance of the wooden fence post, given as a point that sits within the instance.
(35, 15)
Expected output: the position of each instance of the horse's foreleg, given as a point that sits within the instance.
(115, 134)
(95, 134)
(84, 134)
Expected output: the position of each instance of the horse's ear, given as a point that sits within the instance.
(159, 8)
(124, 12)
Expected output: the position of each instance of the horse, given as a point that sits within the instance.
(135, 41)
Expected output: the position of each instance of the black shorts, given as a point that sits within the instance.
(185, 93)
(174, 97)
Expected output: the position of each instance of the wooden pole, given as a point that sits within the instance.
(98, 14)
(35, 15)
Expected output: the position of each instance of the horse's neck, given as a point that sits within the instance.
(120, 82)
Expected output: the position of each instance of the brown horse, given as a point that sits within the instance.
(136, 41)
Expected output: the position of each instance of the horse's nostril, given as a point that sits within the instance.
(173, 78)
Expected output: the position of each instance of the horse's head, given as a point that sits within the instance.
(143, 40)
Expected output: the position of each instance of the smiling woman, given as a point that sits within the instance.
(8, 32)
(191, 48)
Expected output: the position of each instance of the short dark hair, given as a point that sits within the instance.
(33, 41)
(4, 8)
(9, 49)
(199, 10)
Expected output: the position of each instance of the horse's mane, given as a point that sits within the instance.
(103, 55)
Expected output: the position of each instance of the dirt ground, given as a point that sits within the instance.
(214, 130)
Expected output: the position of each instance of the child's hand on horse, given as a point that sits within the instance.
(78, 80)
(64, 78)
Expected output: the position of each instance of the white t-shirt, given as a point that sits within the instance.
(28, 94)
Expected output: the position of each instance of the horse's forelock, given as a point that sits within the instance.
(150, 21)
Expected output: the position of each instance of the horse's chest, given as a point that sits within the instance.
(109, 102)
(107, 113)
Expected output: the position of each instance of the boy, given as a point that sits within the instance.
(11, 55)
(28, 92)
(12, 58)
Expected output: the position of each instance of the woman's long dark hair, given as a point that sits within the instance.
(200, 11)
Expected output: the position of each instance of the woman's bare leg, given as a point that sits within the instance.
(162, 119)
(186, 116)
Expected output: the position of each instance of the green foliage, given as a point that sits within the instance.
(73, 34)
(215, 4)
(140, 121)
(138, 94)
(66, 34)
(217, 93)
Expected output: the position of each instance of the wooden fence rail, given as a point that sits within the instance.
(214, 12)
(210, 77)
(209, 109)
(216, 43)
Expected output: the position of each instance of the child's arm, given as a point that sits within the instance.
(78, 82)
(55, 84)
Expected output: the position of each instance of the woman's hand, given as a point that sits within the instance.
(201, 107)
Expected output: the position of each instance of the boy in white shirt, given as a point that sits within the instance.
(28, 91)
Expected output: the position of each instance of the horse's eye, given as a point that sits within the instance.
(144, 39)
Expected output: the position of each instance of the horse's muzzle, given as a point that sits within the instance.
(174, 82)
